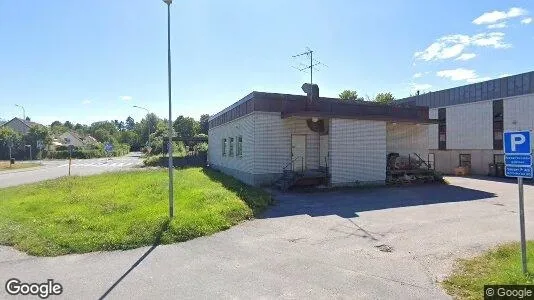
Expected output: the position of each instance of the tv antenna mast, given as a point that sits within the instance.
(312, 64)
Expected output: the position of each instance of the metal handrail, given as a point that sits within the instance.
(292, 161)
(422, 160)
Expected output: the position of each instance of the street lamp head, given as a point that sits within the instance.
(168, 2)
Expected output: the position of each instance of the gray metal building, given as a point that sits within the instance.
(472, 118)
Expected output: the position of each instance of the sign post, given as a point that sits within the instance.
(71, 148)
(518, 163)
(108, 147)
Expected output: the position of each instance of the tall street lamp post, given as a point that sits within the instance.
(171, 166)
(147, 121)
(23, 111)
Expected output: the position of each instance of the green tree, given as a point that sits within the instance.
(81, 128)
(204, 123)
(384, 98)
(9, 137)
(131, 138)
(130, 123)
(350, 95)
(69, 125)
(37, 133)
(57, 128)
(102, 135)
(186, 127)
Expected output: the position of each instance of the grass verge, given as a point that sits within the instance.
(501, 265)
(4, 166)
(122, 210)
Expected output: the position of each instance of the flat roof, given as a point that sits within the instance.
(509, 86)
(299, 105)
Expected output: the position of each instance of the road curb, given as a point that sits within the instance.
(20, 170)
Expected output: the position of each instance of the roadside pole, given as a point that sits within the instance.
(522, 225)
(518, 163)
(71, 147)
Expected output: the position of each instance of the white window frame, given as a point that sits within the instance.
(231, 146)
(239, 146)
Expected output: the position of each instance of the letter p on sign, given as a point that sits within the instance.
(517, 139)
(517, 142)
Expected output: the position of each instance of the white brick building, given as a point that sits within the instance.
(472, 119)
(263, 134)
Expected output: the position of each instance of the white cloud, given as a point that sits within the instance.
(461, 74)
(421, 87)
(498, 25)
(417, 75)
(478, 79)
(504, 75)
(86, 101)
(491, 39)
(453, 45)
(496, 16)
(126, 98)
(466, 56)
(526, 21)
(457, 74)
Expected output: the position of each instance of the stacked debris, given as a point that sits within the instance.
(409, 169)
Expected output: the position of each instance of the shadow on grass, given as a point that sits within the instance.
(256, 198)
(157, 241)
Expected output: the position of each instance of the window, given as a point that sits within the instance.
(465, 160)
(497, 124)
(223, 147)
(442, 129)
(498, 158)
(231, 150)
(239, 147)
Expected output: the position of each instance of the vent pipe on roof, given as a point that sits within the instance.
(312, 91)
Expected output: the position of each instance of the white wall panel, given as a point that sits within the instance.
(519, 113)
(323, 150)
(243, 126)
(470, 126)
(357, 151)
(433, 129)
(273, 142)
(407, 139)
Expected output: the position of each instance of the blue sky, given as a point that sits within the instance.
(92, 60)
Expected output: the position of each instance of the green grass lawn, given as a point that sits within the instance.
(122, 210)
(501, 265)
(4, 165)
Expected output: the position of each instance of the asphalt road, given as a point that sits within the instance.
(56, 168)
(387, 243)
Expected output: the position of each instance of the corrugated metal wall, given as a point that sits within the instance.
(510, 86)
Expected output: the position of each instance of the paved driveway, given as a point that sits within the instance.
(56, 168)
(320, 245)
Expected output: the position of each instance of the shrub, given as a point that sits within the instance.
(152, 161)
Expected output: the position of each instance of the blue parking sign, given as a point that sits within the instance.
(517, 142)
(517, 154)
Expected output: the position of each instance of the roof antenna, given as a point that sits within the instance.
(312, 64)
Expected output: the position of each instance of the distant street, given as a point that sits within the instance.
(57, 168)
